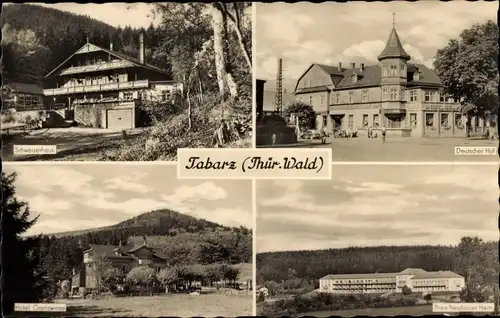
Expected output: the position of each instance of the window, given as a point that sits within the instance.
(385, 92)
(337, 96)
(21, 99)
(394, 93)
(365, 96)
(413, 120)
(375, 120)
(310, 100)
(413, 95)
(386, 71)
(322, 100)
(394, 70)
(403, 93)
(444, 120)
(27, 101)
(402, 70)
(429, 120)
(351, 97)
(428, 96)
(458, 121)
(351, 124)
(365, 121)
(166, 94)
(128, 95)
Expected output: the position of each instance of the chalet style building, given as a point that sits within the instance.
(121, 257)
(100, 87)
(416, 279)
(405, 98)
(22, 97)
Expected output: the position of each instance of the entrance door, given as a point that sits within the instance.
(337, 122)
(430, 129)
(459, 123)
(445, 127)
(119, 119)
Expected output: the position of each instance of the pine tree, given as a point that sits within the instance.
(22, 281)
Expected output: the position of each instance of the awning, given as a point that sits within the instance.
(393, 111)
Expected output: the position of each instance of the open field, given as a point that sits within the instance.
(401, 149)
(73, 143)
(204, 305)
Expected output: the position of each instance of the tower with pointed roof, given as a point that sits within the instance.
(393, 62)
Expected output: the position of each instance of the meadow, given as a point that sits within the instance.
(204, 305)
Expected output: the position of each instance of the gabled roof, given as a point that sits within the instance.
(94, 47)
(109, 250)
(394, 48)
(371, 76)
(25, 88)
(325, 68)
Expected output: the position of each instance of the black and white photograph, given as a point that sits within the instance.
(125, 240)
(378, 241)
(124, 81)
(378, 81)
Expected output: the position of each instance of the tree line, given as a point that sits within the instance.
(299, 271)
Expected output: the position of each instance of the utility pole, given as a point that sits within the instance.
(278, 102)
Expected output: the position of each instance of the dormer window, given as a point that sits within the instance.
(354, 78)
(416, 76)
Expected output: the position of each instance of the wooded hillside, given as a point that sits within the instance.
(185, 240)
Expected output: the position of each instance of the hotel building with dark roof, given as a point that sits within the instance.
(405, 98)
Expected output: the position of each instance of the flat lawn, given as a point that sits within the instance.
(75, 143)
(204, 305)
(393, 311)
(400, 149)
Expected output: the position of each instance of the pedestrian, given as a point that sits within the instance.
(273, 138)
(382, 131)
(323, 135)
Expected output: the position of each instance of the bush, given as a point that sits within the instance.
(161, 141)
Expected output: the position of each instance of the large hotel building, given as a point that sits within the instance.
(404, 97)
(418, 280)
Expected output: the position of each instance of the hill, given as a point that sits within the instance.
(160, 222)
(183, 239)
(36, 39)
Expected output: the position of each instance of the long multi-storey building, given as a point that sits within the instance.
(416, 279)
(101, 87)
(406, 98)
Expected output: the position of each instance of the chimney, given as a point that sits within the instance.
(142, 50)
(362, 67)
(111, 46)
(353, 65)
(340, 66)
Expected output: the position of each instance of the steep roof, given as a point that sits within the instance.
(394, 48)
(25, 88)
(109, 250)
(134, 61)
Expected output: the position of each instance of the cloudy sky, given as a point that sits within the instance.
(303, 33)
(116, 14)
(76, 197)
(378, 205)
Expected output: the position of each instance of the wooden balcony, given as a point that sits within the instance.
(96, 67)
(95, 88)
